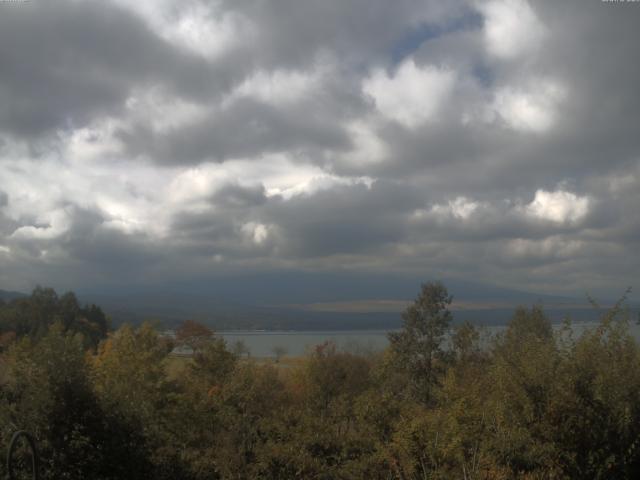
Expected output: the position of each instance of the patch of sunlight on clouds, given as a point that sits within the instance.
(125, 217)
(318, 183)
(551, 247)
(277, 173)
(283, 86)
(412, 95)
(131, 199)
(559, 206)
(532, 109)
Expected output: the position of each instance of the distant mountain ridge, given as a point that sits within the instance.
(8, 295)
(312, 301)
(285, 288)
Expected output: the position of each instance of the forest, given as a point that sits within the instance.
(443, 401)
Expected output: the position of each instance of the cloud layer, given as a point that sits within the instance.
(157, 140)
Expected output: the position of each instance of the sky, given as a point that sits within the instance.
(157, 142)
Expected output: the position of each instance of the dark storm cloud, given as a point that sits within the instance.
(205, 228)
(65, 63)
(345, 219)
(593, 52)
(7, 225)
(233, 195)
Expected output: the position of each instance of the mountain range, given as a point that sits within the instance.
(312, 301)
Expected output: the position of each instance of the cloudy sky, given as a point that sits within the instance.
(156, 141)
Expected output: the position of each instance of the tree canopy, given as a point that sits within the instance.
(418, 346)
(442, 401)
(32, 316)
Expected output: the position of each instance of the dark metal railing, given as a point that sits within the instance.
(13, 445)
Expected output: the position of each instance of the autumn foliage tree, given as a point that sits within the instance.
(193, 334)
(49, 392)
(533, 401)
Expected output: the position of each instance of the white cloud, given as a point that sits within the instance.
(256, 232)
(368, 147)
(162, 111)
(276, 87)
(461, 208)
(202, 29)
(204, 33)
(511, 28)
(195, 184)
(318, 183)
(92, 142)
(130, 196)
(532, 109)
(413, 95)
(548, 248)
(559, 206)
(50, 225)
(279, 175)
(283, 86)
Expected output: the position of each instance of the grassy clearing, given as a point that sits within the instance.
(176, 364)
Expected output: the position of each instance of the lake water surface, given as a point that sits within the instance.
(295, 343)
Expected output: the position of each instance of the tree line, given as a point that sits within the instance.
(440, 402)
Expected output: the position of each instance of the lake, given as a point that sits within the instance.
(261, 343)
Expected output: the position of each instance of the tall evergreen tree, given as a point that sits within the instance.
(418, 346)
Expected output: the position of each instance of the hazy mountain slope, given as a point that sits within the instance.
(316, 301)
(9, 295)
